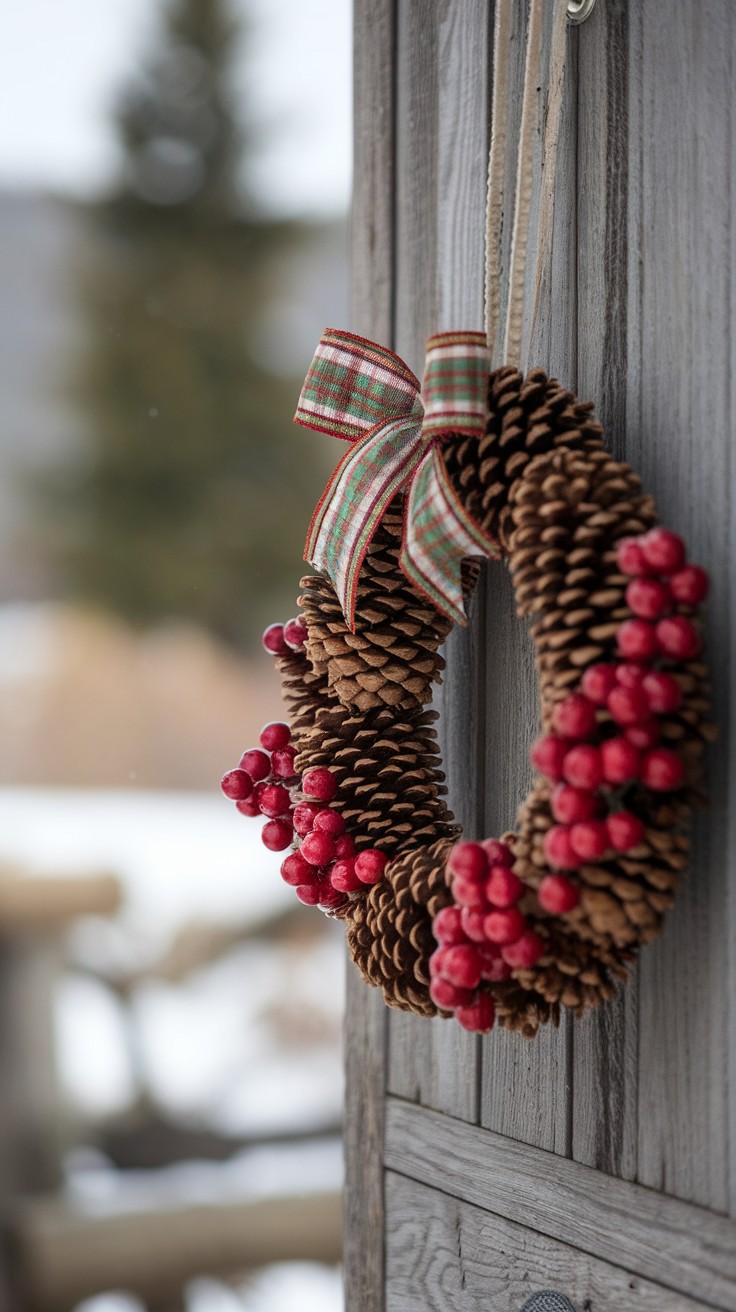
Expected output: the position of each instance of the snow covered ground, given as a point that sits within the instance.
(247, 1043)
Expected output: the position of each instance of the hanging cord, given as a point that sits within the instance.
(518, 265)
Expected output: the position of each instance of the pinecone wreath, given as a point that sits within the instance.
(551, 914)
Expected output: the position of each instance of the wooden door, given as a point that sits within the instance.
(599, 1160)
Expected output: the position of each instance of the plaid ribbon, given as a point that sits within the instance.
(366, 395)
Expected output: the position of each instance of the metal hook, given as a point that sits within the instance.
(579, 10)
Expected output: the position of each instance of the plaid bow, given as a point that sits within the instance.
(366, 395)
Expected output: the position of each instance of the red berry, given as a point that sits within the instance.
(689, 586)
(309, 894)
(629, 705)
(624, 831)
(370, 865)
(558, 848)
(663, 551)
(447, 996)
(305, 814)
(273, 800)
(504, 926)
(295, 633)
(571, 804)
(468, 893)
(663, 692)
(469, 861)
(344, 877)
(644, 735)
(331, 899)
(648, 598)
(547, 755)
(525, 952)
(677, 636)
(503, 889)
(447, 926)
(276, 835)
(589, 839)
(437, 957)
(662, 770)
(295, 870)
(237, 785)
(257, 764)
(461, 966)
(273, 640)
(329, 822)
(282, 763)
(492, 965)
(597, 682)
(630, 674)
(274, 735)
(249, 806)
(558, 895)
(574, 717)
(318, 849)
(638, 639)
(620, 761)
(499, 854)
(630, 557)
(320, 783)
(477, 1016)
(473, 921)
(582, 765)
(344, 846)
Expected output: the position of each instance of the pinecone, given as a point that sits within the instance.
(304, 692)
(390, 938)
(527, 417)
(392, 658)
(390, 787)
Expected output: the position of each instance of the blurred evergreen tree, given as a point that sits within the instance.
(185, 499)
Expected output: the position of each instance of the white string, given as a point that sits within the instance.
(496, 168)
(514, 319)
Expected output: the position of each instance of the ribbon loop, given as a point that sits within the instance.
(364, 394)
(354, 384)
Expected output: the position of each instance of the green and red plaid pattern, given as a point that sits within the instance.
(353, 384)
(438, 535)
(365, 394)
(455, 383)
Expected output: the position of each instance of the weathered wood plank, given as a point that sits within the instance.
(415, 298)
(526, 1086)
(604, 1112)
(677, 1244)
(372, 241)
(443, 1253)
(680, 425)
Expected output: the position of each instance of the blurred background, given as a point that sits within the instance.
(174, 179)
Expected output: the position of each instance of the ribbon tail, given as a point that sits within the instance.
(438, 535)
(357, 496)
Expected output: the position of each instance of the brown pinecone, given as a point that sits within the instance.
(390, 937)
(392, 658)
(304, 692)
(390, 785)
(526, 418)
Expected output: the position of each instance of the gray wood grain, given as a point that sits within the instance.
(443, 1253)
(680, 424)
(605, 1044)
(670, 1242)
(372, 240)
(526, 1086)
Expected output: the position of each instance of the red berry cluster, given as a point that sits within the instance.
(261, 784)
(624, 700)
(280, 639)
(484, 937)
(325, 869)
